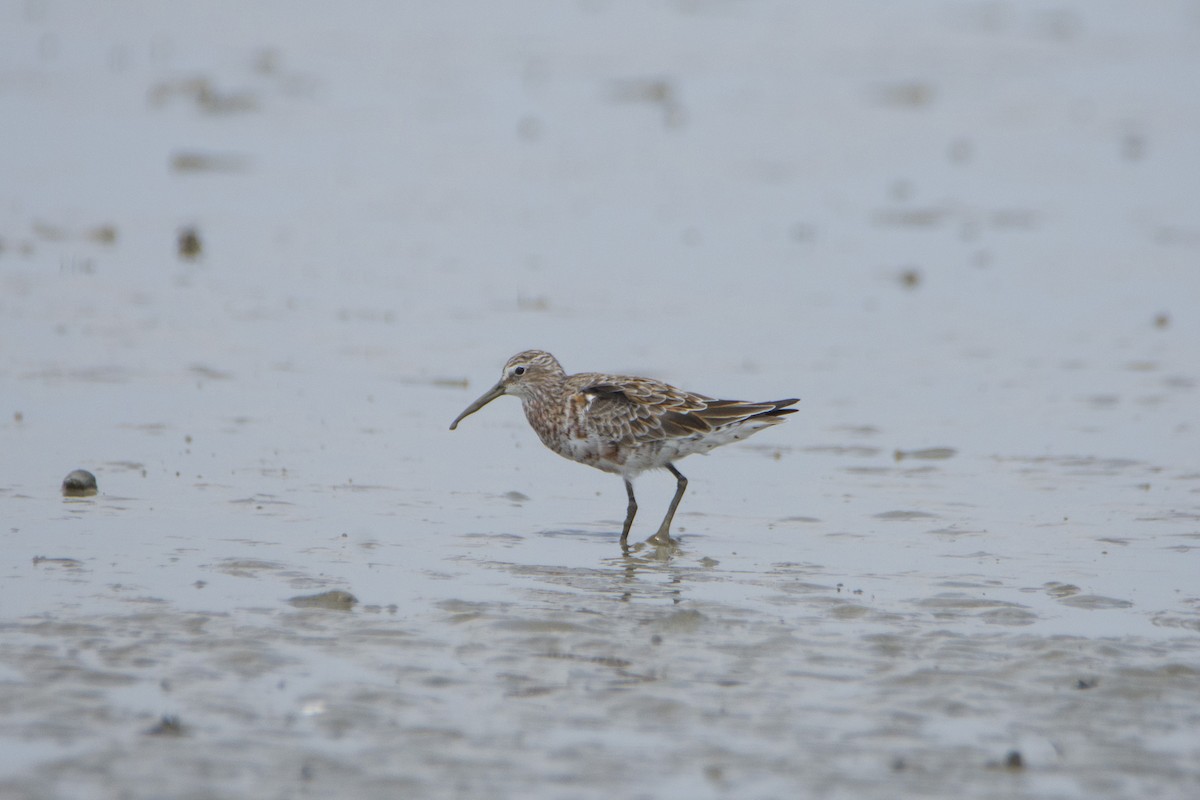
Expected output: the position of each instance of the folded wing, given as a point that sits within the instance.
(623, 409)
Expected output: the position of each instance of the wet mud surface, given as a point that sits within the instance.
(250, 290)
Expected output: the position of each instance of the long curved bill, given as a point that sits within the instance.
(488, 396)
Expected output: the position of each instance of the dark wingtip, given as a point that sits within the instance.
(781, 408)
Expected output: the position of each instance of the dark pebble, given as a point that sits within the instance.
(169, 725)
(80, 483)
(189, 244)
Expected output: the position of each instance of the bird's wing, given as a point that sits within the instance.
(623, 408)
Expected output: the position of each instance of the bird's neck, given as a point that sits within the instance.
(543, 408)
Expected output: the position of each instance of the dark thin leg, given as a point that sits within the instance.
(664, 530)
(629, 512)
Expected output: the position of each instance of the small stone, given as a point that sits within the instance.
(79, 483)
(189, 244)
(334, 599)
(169, 725)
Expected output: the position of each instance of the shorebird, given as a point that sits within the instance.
(622, 424)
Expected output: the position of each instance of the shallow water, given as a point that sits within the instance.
(254, 260)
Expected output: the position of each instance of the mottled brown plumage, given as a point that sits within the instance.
(623, 424)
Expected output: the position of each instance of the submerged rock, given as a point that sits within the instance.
(335, 599)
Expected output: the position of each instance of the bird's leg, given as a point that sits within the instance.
(664, 531)
(629, 512)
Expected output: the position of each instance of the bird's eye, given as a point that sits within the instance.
(519, 371)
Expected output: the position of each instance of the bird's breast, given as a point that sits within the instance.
(577, 409)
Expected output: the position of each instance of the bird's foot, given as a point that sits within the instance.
(662, 539)
(658, 546)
